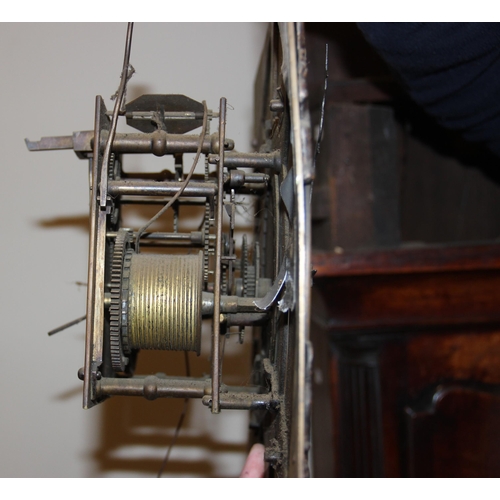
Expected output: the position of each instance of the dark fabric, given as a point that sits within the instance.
(451, 69)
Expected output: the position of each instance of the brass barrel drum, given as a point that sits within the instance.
(164, 302)
(155, 301)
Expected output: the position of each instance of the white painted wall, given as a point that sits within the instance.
(51, 74)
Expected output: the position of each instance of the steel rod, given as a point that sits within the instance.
(193, 237)
(136, 200)
(152, 188)
(160, 143)
(159, 386)
(251, 160)
(153, 387)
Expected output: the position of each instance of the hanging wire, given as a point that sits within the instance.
(127, 72)
(323, 102)
(179, 423)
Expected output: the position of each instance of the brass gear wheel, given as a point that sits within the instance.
(247, 270)
(122, 242)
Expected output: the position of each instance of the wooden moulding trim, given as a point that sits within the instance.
(425, 259)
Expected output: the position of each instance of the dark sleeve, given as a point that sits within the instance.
(451, 69)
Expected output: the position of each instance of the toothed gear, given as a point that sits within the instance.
(206, 249)
(224, 267)
(250, 282)
(206, 229)
(122, 241)
(113, 173)
(244, 264)
(247, 270)
(124, 302)
(223, 279)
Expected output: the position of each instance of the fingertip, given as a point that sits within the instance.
(255, 465)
